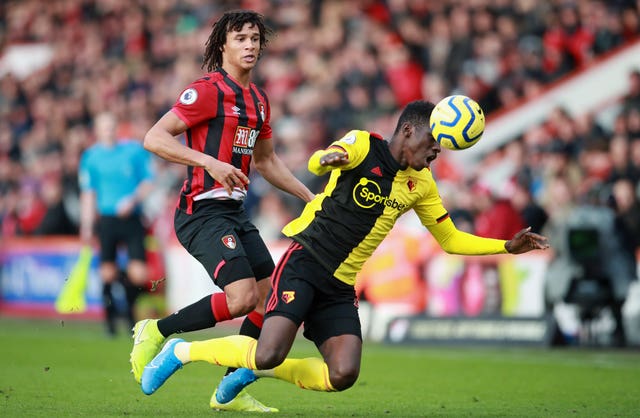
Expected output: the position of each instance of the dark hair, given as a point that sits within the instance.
(416, 113)
(231, 21)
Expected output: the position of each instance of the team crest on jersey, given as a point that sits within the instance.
(411, 184)
(189, 96)
(229, 241)
(288, 296)
(261, 110)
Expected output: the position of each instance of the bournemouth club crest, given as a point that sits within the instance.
(229, 241)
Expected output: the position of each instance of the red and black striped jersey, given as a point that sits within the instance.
(224, 120)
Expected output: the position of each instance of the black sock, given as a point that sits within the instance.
(250, 329)
(110, 311)
(131, 294)
(194, 317)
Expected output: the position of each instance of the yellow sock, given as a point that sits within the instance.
(232, 351)
(308, 373)
(240, 351)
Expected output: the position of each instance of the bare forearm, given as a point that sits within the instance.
(275, 172)
(169, 148)
(87, 215)
(143, 191)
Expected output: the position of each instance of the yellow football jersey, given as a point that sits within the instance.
(362, 201)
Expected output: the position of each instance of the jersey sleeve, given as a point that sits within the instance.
(355, 143)
(430, 209)
(454, 241)
(435, 217)
(265, 108)
(197, 103)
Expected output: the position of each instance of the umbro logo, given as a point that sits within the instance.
(236, 110)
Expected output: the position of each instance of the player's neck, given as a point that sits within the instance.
(239, 75)
(396, 146)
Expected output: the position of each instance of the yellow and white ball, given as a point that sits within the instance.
(457, 122)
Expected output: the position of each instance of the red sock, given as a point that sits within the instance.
(219, 307)
(256, 318)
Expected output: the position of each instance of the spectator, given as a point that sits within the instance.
(495, 215)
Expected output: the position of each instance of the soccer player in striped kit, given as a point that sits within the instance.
(226, 122)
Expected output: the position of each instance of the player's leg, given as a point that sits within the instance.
(277, 336)
(137, 273)
(251, 327)
(333, 325)
(238, 299)
(303, 292)
(262, 264)
(231, 351)
(108, 270)
(342, 354)
(108, 275)
(211, 239)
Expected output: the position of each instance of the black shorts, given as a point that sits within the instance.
(304, 291)
(113, 231)
(221, 237)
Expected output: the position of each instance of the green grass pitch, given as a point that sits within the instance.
(70, 369)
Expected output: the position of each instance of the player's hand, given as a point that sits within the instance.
(525, 241)
(86, 235)
(125, 207)
(335, 159)
(228, 176)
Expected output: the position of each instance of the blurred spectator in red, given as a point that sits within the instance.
(30, 208)
(403, 74)
(56, 219)
(566, 42)
(495, 215)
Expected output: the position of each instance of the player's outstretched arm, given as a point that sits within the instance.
(525, 240)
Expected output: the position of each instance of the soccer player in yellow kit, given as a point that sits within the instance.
(372, 183)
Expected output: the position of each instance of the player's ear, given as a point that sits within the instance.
(407, 129)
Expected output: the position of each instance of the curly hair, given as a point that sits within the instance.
(231, 21)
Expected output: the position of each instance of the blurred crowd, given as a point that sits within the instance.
(332, 66)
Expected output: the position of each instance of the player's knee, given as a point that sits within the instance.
(137, 272)
(108, 272)
(343, 378)
(242, 304)
(268, 359)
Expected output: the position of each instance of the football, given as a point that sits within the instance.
(457, 122)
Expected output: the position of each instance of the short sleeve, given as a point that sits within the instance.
(265, 109)
(356, 144)
(197, 103)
